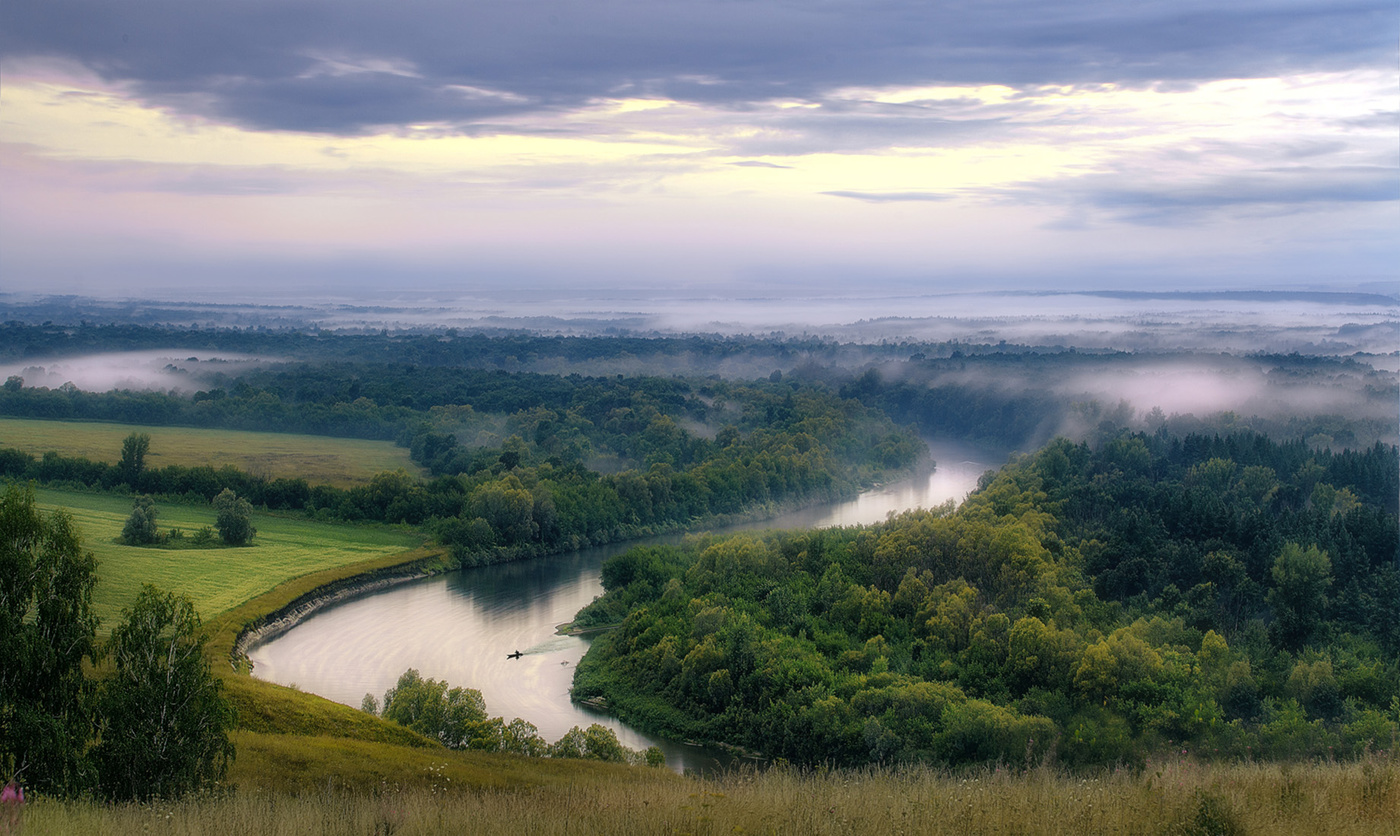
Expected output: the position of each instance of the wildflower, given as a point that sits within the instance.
(12, 800)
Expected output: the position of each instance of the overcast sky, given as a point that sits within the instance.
(759, 147)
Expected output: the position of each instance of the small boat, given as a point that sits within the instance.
(516, 655)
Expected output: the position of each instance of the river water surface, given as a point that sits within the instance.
(459, 627)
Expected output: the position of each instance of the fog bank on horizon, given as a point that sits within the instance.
(1315, 323)
(1285, 362)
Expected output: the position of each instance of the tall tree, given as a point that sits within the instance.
(46, 632)
(133, 461)
(164, 717)
(1299, 597)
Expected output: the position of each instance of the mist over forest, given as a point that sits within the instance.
(1321, 366)
(949, 401)
(1126, 579)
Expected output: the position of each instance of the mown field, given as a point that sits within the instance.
(1178, 798)
(317, 459)
(215, 579)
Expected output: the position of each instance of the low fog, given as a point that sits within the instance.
(164, 370)
(1317, 323)
(1295, 364)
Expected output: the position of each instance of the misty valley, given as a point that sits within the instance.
(695, 418)
(563, 548)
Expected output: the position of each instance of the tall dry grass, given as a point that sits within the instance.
(1176, 797)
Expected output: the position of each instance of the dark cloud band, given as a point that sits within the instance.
(355, 66)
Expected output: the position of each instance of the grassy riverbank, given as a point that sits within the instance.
(215, 579)
(436, 796)
(318, 459)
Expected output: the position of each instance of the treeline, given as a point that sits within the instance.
(1230, 596)
(396, 401)
(504, 348)
(535, 493)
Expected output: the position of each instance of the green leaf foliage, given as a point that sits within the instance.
(164, 719)
(140, 528)
(233, 518)
(1089, 604)
(453, 716)
(46, 635)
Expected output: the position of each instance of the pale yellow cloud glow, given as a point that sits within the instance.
(64, 121)
(940, 175)
(1029, 135)
(984, 94)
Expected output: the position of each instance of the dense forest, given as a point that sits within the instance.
(1170, 581)
(1230, 596)
(998, 394)
(522, 463)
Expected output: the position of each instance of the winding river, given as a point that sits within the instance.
(460, 626)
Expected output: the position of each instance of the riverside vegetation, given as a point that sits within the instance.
(1230, 596)
(1093, 613)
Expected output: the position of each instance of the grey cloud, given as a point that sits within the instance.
(40, 172)
(352, 66)
(1380, 119)
(1303, 150)
(758, 164)
(1158, 203)
(855, 127)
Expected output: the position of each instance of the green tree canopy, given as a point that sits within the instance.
(451, 716)
(46, 631)
(233, 518)
(140, 528)
(133, 460)
(1301, 578)
(164, 718)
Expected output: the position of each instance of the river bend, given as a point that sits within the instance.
(460, 626)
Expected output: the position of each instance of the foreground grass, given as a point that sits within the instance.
(214, 579)
(1182, 798)
(317, 459)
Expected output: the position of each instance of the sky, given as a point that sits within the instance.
(266, 149)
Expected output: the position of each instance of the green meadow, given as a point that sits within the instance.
(219, 578)
(317, 459)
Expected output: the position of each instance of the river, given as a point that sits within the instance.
(459, 627)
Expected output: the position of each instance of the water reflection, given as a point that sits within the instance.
(460, 627)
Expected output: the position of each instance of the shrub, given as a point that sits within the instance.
(140, 528)
(233, 518)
